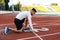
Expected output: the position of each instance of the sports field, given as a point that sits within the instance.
(52, 22)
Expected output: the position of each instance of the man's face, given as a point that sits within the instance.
(32, 12)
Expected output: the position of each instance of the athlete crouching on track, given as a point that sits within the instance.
(21, 18)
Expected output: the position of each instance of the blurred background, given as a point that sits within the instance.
(26, 5)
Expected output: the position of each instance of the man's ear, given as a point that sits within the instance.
(26, 19)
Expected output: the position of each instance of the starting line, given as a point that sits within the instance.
(40, 36)
(35, 36)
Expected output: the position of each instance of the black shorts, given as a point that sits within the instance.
(19, 23)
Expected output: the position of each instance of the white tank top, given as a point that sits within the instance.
(23, 15)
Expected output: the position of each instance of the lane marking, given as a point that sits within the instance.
(6, 24)
(33, 24)
(37, 35)
(52, 34)
(29, 37)
(1, 30)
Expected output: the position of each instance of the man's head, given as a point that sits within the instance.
(33, 11)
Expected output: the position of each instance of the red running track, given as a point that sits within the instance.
(51, 22)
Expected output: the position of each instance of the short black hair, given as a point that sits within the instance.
(34, 9)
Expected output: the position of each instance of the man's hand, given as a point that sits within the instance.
(34, 30)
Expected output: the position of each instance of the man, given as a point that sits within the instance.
(24, 17)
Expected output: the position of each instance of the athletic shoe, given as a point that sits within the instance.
(27, 30)
(6, 30)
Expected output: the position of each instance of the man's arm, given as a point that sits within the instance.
(30, 23)
(30, 20)
(26, 22)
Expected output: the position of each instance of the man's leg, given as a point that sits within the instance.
(18, 25)
(15, 30)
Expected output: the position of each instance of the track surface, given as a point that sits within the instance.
(51, 22)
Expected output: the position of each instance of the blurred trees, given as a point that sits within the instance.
(54, 4)
(2, 5)
(6, 4)
(16, 7)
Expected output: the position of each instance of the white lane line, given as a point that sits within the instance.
(37, 35)
(33, 24)
(1, 30)
(6, 24)
(52, 34)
